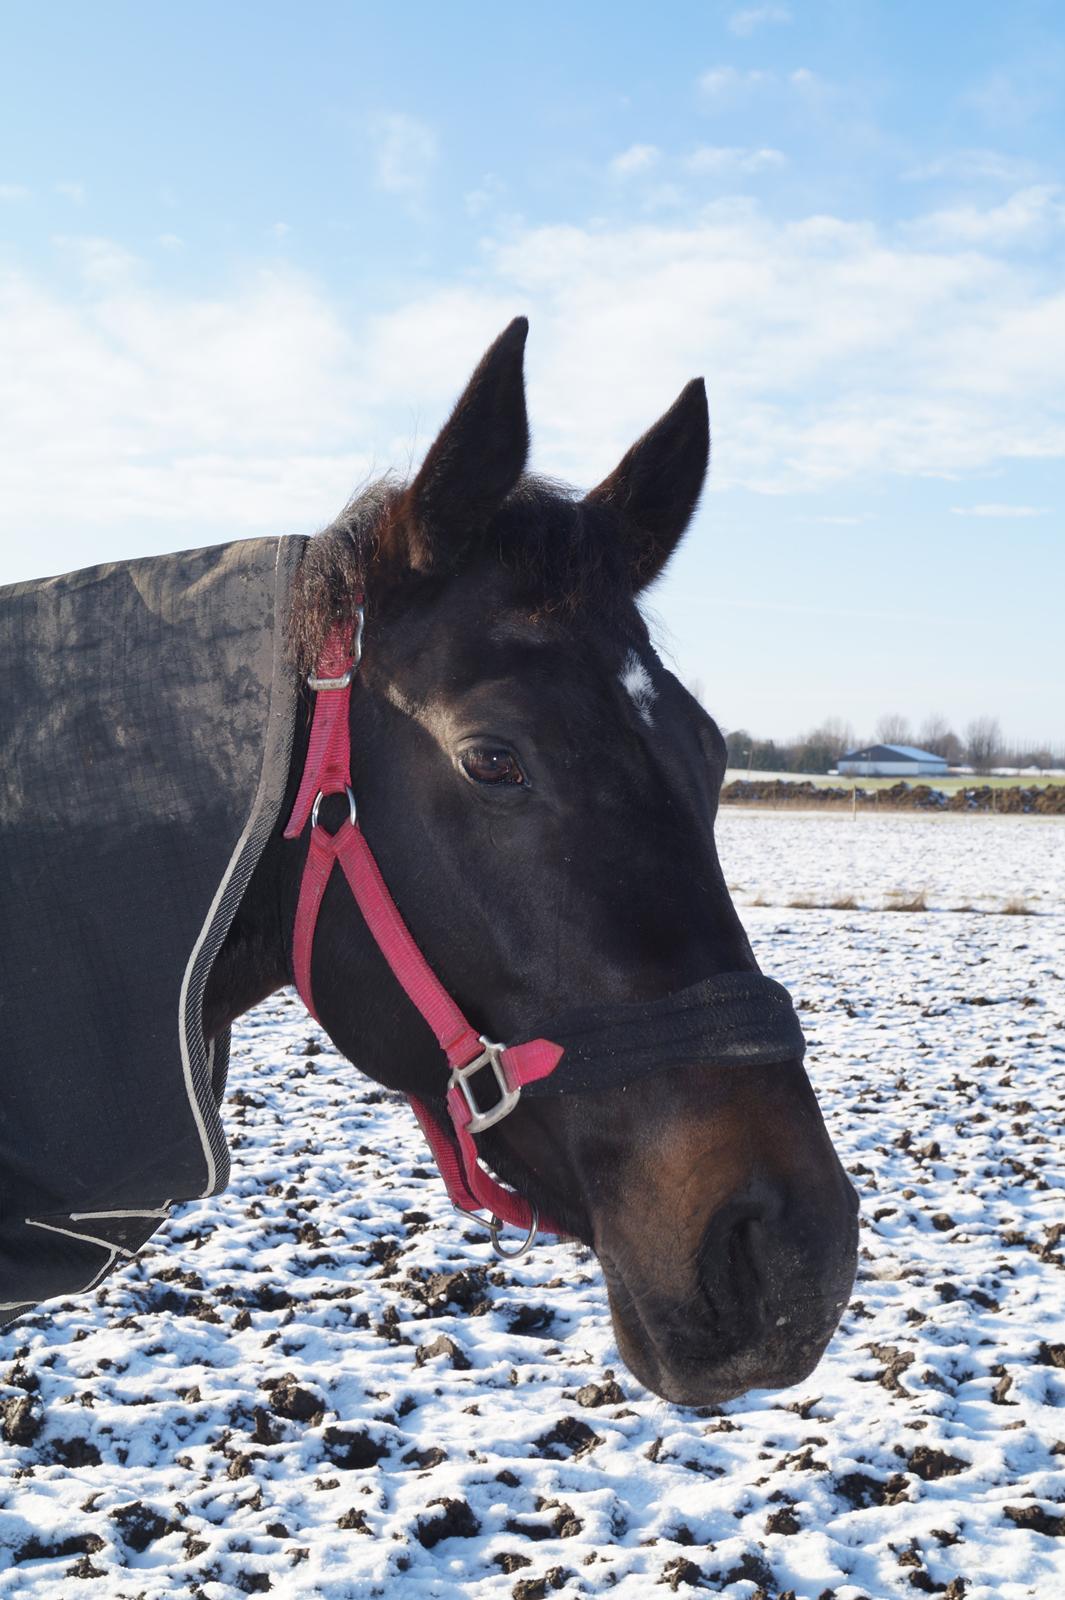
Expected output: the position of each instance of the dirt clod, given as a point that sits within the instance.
(600, 1394)
(83, 1568)
(140, 1526)
(443, 1346)
(290, 1400)
(430, 1457)
(568, 1437)
(76, 1452)
(22, 1419)
(680, 1570)
(536, 1588)
(510, 1561)
(352, 1450)
(457, 1521)
(1038, 1520)
(355, 1520)
(931, 1464)
(75, 1544)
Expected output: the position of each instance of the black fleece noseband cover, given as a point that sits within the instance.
(734, 1019)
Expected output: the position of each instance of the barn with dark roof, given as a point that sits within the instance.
(891, 761)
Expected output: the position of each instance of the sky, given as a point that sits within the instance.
(249, 255)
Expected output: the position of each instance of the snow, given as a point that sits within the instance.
(207, 1423)
(955, 861)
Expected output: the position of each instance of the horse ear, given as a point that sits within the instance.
(475, 460)
(655, 487)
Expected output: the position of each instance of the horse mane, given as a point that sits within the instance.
(331, 577)
(567, 553)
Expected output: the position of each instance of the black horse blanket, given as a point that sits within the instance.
(145, 738)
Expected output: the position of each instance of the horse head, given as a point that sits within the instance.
(539, 792)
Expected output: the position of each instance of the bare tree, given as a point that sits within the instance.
(934, 730)
(939, 737)
(893, 729)
(983, 741)
(837, 735)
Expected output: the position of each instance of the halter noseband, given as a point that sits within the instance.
(732, 1018)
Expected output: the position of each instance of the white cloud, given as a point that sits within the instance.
(636, 159)
(746, 22)
(999, 511)
(405, 152)
(723, 85)
(730, 158)
(1004, 103)
(13, 191)
(486, 197)
(1026, 216)
(100, 262)
(74, 192)
(135, 418)
(834, 352)
(972, 166)
(664, 197)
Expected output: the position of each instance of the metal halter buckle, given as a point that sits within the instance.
(316, 683)
(490, 1056)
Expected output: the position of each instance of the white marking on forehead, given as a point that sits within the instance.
(636, 682)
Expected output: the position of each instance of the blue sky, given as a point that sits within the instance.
(248, 255)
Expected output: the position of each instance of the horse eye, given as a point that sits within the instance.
(491, 764)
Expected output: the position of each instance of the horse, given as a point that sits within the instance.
(522, 799)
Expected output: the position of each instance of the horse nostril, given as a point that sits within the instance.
(732, 1271)
(746, 1248)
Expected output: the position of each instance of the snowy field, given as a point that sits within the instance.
(321, 1383)
(956, 862)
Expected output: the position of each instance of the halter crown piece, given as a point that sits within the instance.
(729, 1019)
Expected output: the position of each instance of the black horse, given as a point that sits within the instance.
(539, 793)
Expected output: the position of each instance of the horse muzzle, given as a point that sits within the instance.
(729, 1236)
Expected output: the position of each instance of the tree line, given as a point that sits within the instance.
(981, 745)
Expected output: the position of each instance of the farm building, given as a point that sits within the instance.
(891, 761)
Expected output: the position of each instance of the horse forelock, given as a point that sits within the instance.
(564, 553)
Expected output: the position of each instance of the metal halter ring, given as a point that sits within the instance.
(353, 811)
(494, 1226)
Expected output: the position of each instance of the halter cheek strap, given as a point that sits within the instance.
(327, 771)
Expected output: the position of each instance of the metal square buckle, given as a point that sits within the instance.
(318, 684)
(490, 1056)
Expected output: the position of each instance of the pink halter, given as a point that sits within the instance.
(327, 771)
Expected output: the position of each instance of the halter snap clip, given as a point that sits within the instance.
(494, 1225)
